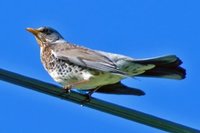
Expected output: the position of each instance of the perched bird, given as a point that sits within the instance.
(86, 69)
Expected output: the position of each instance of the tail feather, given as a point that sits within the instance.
(165, 67)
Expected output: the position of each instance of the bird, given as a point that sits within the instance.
(85, 69)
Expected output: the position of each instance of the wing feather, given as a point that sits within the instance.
(85, 57)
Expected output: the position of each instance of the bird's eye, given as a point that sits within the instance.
(46, 31)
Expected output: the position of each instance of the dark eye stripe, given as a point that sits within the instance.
(47, 31)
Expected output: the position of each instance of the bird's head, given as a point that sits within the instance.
(45, 35)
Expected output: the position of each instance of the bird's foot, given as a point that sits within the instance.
(87, 99)
(89, 96)
(67, 89)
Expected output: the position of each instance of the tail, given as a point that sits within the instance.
(165, 67)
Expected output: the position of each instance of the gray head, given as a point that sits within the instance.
(45, 35)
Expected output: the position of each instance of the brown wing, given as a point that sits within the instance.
(84, 57)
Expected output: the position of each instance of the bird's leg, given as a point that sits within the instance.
(89, 94)
(79, 82)
(68, 87)
(92, 91)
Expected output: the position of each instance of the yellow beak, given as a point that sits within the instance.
(33, 31)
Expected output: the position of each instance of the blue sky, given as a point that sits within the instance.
(135, 28)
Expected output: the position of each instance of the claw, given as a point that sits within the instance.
(67, 89)
(88, 96)
(86, 100)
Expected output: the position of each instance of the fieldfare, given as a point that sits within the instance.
(90, 70)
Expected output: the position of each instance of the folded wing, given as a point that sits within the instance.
(85, 57)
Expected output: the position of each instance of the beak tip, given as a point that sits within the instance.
(32, 30)
(29, 29)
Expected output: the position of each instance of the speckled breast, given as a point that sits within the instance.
(67, 73)
(62, 71)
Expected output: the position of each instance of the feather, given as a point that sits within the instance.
(85, 57)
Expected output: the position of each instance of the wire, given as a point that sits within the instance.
(94, 103)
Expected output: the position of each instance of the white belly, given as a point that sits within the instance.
(96, 81)
(92, 81)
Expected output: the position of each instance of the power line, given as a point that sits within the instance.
(97, 104)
